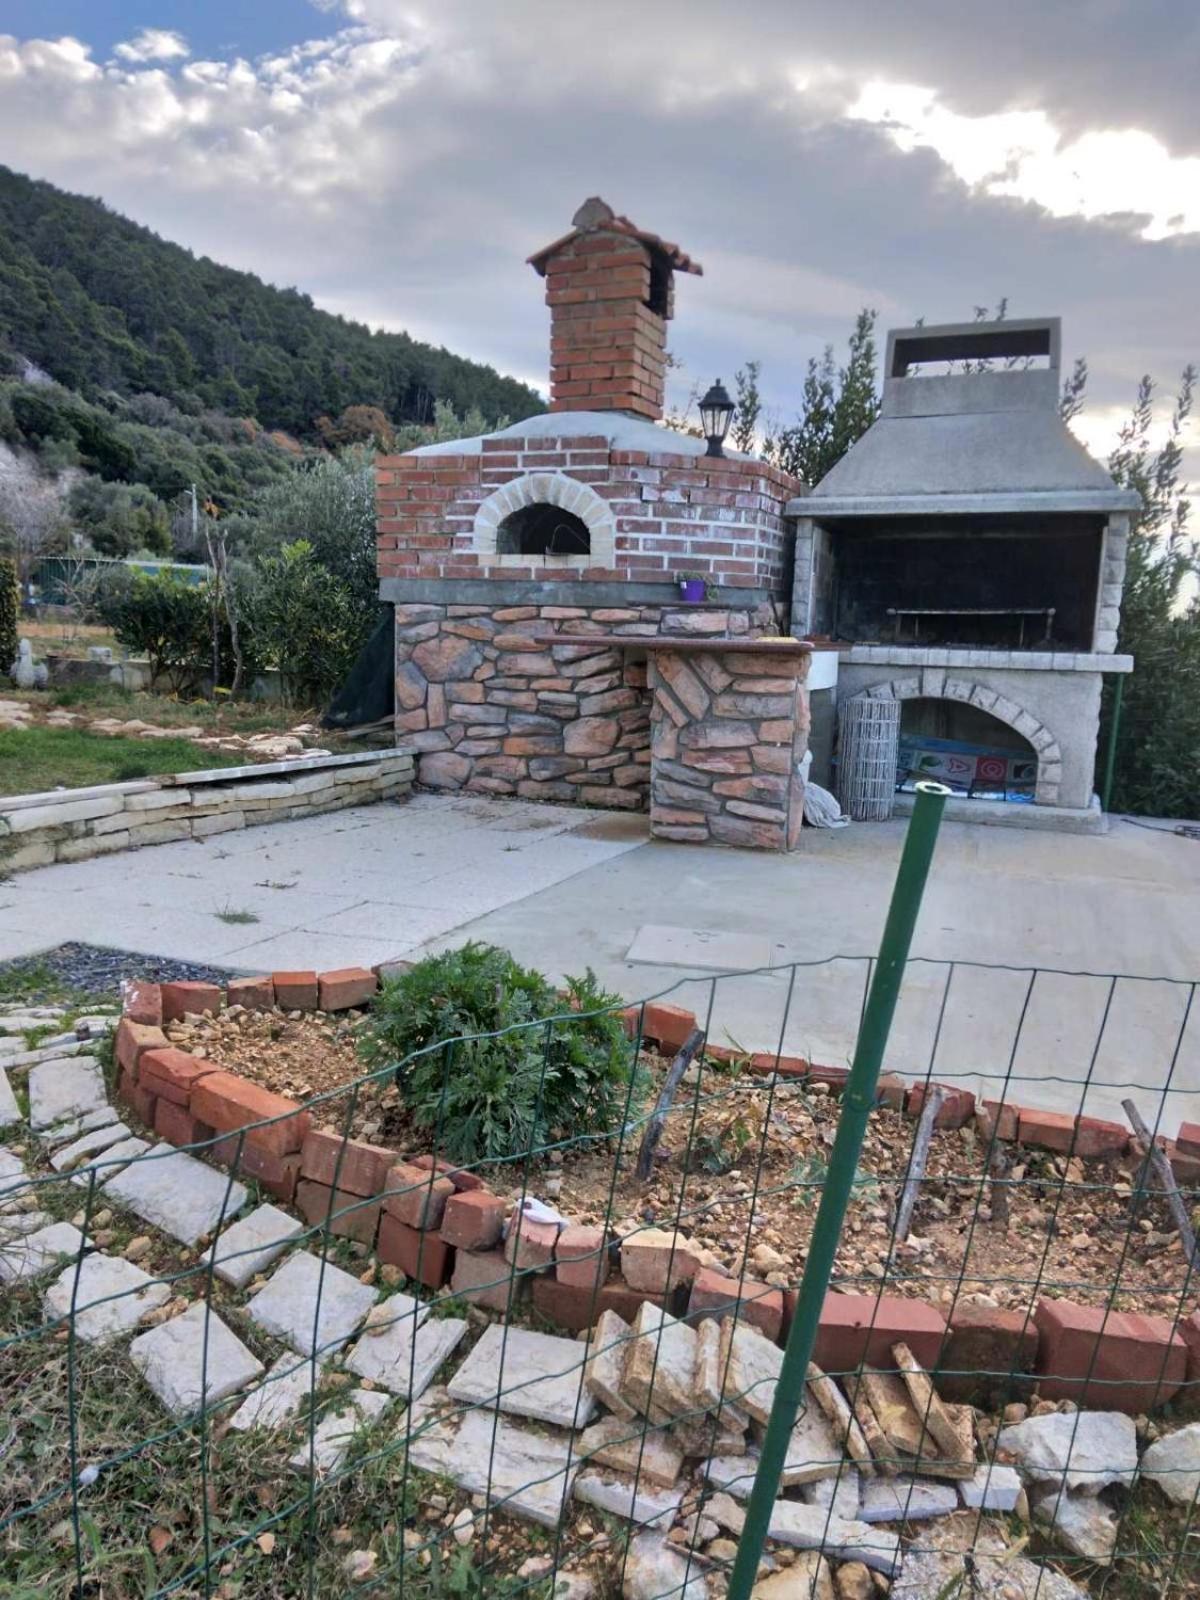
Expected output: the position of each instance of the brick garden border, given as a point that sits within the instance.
(442, 1226)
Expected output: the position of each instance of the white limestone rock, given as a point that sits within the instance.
(933, 1566)
(1173, 1463)
(108, 1163)
(1082, 1522)
(841, 1495)
(110, 1297)
(812, 1528)
(1085, 1450)
(10, 1111)
(634, 1500)
(524, 1472)
(194, 1361)
(905, 1500)
(655, 1570)
(528, 1374)
(993, 1488)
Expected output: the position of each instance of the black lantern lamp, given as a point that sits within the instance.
(716, 413)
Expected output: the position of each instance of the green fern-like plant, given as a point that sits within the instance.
(10, 594)
(493, 1062)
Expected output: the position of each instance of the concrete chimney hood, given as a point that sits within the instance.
(988, 441)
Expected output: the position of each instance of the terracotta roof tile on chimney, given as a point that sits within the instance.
(610, 289)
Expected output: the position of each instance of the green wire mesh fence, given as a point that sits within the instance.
(438, 1426)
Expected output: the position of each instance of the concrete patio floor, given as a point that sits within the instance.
(565, 889)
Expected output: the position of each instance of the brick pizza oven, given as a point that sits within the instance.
(575, 526)
(967, 555)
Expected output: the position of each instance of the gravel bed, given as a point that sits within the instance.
(97, 971)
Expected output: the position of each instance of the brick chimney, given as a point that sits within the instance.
(610, 289)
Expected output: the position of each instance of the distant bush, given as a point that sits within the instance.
(9, 604)
(304, 621)
(170, 622)
(519, 1086)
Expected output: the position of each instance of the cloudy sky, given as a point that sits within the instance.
(398, 159)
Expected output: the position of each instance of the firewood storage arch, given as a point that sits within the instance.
(934, 684)
(546, 489)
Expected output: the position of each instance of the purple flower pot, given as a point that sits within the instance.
(693, 590)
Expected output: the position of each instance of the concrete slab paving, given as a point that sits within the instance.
(406, 1358)
(10, 1111)
(109, 1162)
(313, 1311)
(173, 1191)
(110, 1296)
(565, 888)
(88, 1144)
(334, 1435)
(194, 1361)
(529, 1374)
(284, 1389)
(63, 1088)
(250, 1245)
(28, 1257)
(660, 944)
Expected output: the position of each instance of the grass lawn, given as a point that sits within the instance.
(50, 758)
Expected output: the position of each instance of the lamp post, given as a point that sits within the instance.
(716, 413)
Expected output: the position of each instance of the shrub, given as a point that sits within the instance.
(305, 622)
(170, 621)
(506, 1085)
(9, 598)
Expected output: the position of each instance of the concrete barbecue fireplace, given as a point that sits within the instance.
(966, 558)
(968, 555)
(535, 578)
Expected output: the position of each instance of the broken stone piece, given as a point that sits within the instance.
(660, 1367)
(535, 1375)
(752, 1365)
(1173, 1463)
(905, 1500)
(645, 1453)
(654, 1569)
(1082, 1522)
(1084, 1450)
(623, 1496)
(928, 1404)
(845, 1426)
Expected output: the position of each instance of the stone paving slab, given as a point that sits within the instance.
(64, 1087)
(12, 1173)
(88, 1144)
(280, 1395)
(537, 1375)
(287, 1305)
(194, 1361)
(623, 1496)
(906, 1500)
(173, 1191)
(249, 1245)
(522, 1472)
(63, 1132)
(335, 1433)
(10, 1111)
(406, 1358)
(109, 1162)
(28, 1257)
(111, 1297)
(14, 1224)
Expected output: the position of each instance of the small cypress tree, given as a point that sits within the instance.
(9, 598)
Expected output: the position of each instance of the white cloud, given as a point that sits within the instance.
(1100, 173)
(401, 168)
(154, 44)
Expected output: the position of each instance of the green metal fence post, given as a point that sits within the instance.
(857, 1101)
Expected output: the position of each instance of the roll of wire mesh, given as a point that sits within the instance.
(868, 748)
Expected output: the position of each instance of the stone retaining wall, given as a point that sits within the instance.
(443, 1227)
(493, 705)
(72, 824)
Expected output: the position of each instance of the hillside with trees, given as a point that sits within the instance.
(102, 304)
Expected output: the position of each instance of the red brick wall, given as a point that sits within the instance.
(672, 512)
(607, 348)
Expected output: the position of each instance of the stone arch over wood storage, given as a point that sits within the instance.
(934, 683)
(549, 489)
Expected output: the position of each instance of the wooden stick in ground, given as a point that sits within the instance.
(1155, 1160)
(934, 1096)
(658, 1116)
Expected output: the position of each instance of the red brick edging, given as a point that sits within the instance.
(443, 1227)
